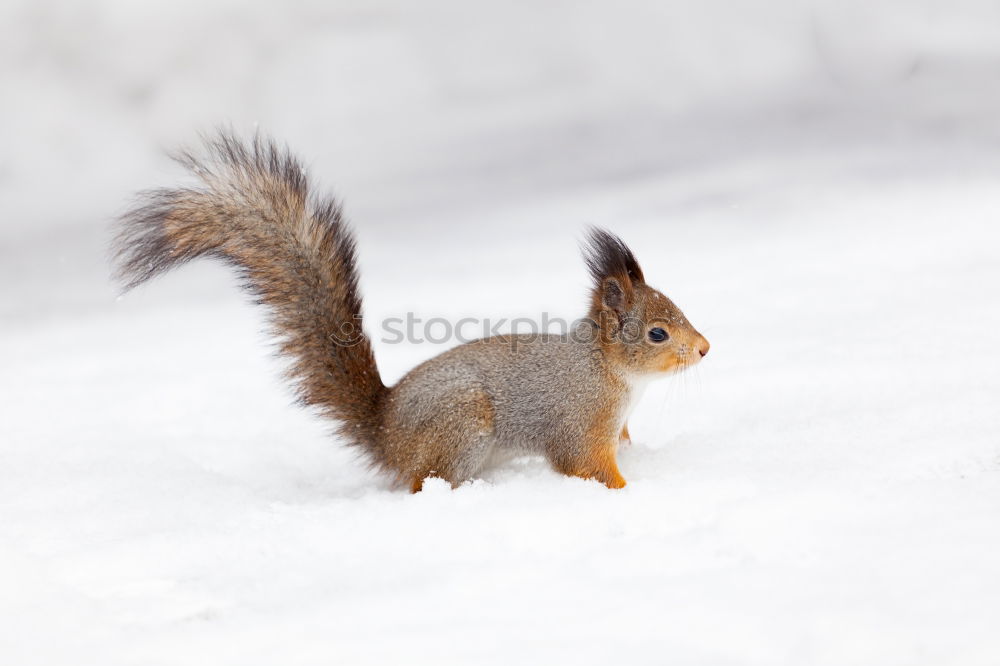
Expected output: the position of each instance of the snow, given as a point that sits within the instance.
(817, 191)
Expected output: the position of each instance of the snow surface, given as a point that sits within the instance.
(815, 184)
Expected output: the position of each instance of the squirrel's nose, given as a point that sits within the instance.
(704, 347)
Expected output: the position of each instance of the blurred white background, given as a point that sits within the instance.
(425, 109)
(815, 183)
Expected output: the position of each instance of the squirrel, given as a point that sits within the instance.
(566, 397)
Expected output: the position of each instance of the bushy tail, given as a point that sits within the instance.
(293, 252)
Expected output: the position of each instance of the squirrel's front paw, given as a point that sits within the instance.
(625, 437)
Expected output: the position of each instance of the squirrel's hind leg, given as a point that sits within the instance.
(454, 445)
(470, 462)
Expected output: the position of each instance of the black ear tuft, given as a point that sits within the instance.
(608, 256)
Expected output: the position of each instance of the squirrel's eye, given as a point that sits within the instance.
(658, 335)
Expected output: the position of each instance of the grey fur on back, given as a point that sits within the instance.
(540, 388)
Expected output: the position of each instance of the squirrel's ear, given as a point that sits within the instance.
(608, 256)
(613, 296)
(614, 270)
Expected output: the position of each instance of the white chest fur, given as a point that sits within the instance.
(637, 387)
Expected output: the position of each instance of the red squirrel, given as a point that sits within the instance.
(566, 397)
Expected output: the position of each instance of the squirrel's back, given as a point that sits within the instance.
(517, 394)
